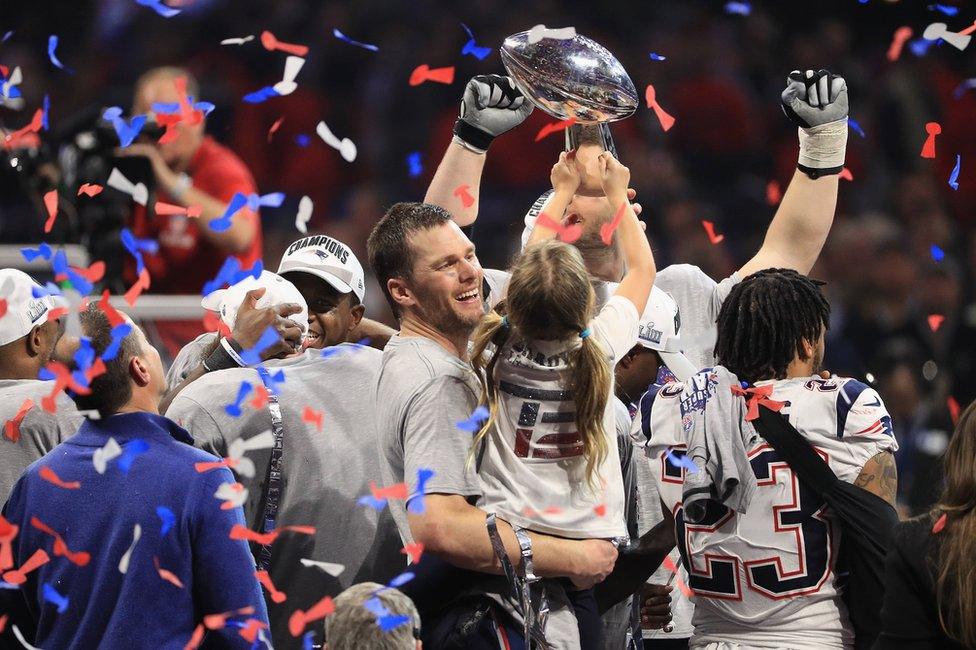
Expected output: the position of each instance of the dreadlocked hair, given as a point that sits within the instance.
(550, 298)
(765, 320)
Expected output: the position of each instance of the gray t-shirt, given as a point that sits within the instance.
(325, 471)
(189, 358)
(423, 391)
(40, 431)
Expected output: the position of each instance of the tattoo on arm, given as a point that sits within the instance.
(880, 477)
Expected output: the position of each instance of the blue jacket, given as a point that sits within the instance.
(101, 607)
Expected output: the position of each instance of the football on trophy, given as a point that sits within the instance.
(570, 77)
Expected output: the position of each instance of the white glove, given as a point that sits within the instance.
(817, 103)
(491, 106)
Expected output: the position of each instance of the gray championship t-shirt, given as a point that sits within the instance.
(422, 393)
(40, 431)
(325, 470)
(189, 358)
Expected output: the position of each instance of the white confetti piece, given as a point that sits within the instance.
(345, 147)
(124, 562)
(540, 32)
(332, 569)
(103, 455)
(138, 191)
(304, 214)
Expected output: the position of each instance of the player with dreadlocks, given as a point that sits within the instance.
(763, 567)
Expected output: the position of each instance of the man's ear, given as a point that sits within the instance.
(139, 371)
(401, 293)
(808, 350)
(35, 341)
(357, 315)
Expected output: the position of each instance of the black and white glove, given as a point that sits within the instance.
(491, 106)
(817, 103)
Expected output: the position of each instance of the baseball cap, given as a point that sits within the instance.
(24, 311)
(658, 329)
(227, 301)
(326, 258)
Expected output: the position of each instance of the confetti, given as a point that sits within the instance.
(413, 551)
(124, 561)
(365, 46)
(372, 502)
(52, 45)
(299, 619)
(681, 461)
(138, 191)
(401, 579)
(132, 295)
(51, 203)
(35, 125)
(167, 209)
(271, 43)
(312, 416)
(166, 519)
(89, 189)
(773, 193)
(103, 455)
(920, 46)
(902, 34)
(395, 491)
(935, 31)
(345, 147)
(756, 397)
(238, 40)
(114, 317)
(127, 131)
(414, 165)
(23, 641)
(935, 321)
(206, 466)
(43, 251)
(392, 621)
(424, 73)
(261, 95)
(222, 223)
(472, 48)
(287, 85)
(846, 174)
(567, 234)
(740, 8)
(218, 621)
(159, 8)
(940, 524)
(234, 409)
(945, 9)
(265, 539)
(853, 124)
(19, 576)
(474, 422)
(954, 409)
(252, 356)
(231, 273)
(416, 503)
(80, 558)
(332, 569)
(650, 95)
(3, 307)
(62, 379)
(275, 127)
(540, 32)
(961, 89)
(928, 149)
(265, 579)
(51, 595)
(302, 140)
(954, 176)
(166, 575)
(600, 510)
(11, 429)
(132, 450)
(607, 229)
(51, 477)
(233, 495)
(710, 231)
(937, 253)
(654, 56)
(461, 191)
(554, 127)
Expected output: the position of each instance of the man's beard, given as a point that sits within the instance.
(818, 356)
(432, 310)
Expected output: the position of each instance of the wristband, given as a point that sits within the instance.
(823, 149)
(471, 137)
(224, 356)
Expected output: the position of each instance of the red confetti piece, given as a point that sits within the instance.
(773, 193)
(663, 117)
(19, 576)
(567, 234)
(51, 477)
(97, 368)
(902, 34)
(51, 203)
(846, 174)
(166, 575)
(274, 127)
(461, 191)
(554, 127)
(89, 189)
(424, 73)
(11, 429)
(265, 579)
(251, 628)
(3, 307)
(62, 379)
(8, 532)
(413, 550)
(933, 129)
(80, 558)
(3, 622)
(935, 321)
(396, 491)
(756, 397)
(114, 317)
(260, 399)
(969, 30)
(607, 229)
(600, 510)
(217, 464)
(673, 568)
(271, 43)
(188, 114)
(167, 209)
(954, 409)
(94, 272)
(196, 639)
(35, 125)
(940, 524)
(265, 539)
(299, 619)
(218, 621)
(710, 231)
(312, 416)
(132, 295)
(57, 313)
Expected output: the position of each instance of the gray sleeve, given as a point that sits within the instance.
(188, 358)
(720, 292)
(199, 422)
(432, 439)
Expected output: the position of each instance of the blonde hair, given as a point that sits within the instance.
(550, 298)
(955, 587)
(353, 625)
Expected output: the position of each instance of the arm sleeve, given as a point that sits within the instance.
(432, 439)
(863, 424)
(188, 358)
(223, 569)
(615, 327)
(195, 418)
(906, 613)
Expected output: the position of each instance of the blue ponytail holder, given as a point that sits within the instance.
(585, 333)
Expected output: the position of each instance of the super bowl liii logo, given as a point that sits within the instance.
(649, 334)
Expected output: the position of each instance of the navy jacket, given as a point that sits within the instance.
(80, 598)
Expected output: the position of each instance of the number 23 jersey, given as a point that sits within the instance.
(769, 577)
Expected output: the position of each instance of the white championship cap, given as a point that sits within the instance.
(326, 258)
(24, 311)
(658, 329)
(227, 301)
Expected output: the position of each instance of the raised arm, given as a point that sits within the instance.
(565, 180)
(638, 259)
(817, 103)
(491, 106)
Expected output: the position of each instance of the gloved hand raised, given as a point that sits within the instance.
(491, 106)
(817, 103)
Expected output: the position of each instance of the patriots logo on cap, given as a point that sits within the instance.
(321, 254)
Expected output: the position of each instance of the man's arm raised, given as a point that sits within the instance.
(817, 103)
(491, 106)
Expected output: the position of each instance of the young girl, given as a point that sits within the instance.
(545, 461)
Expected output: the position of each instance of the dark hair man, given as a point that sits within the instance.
(124, 524)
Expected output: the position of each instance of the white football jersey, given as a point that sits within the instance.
(769, 577)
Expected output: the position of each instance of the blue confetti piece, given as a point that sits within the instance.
(127, 131)
(222, 223)
(52, 45)
(84, 357)
(166, 518)
(416, 504)
(657, 57)
(302, 140)
(474, 422)
(45, 375)
(472, 48)
(414, 164)
(937, 253)
(262, 95)
(119, 332)
(392, 621)
(234, 410)
(365, 46)
(920, 46)
(954, 176)
(43, 251)
(273, 200)
(45, 124)
(137, 246)
(253, 355)
(159, 8)
(52, 596)
(49, 289)
(945, 9)
(130, 451)
(682, 461)
(6, 37)
(271, 382)
(961, 89)
(851, 122)
(307, 641)
(372, 502)
(401, 579)
(740, 8)
(170, 108)
(375, 607)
